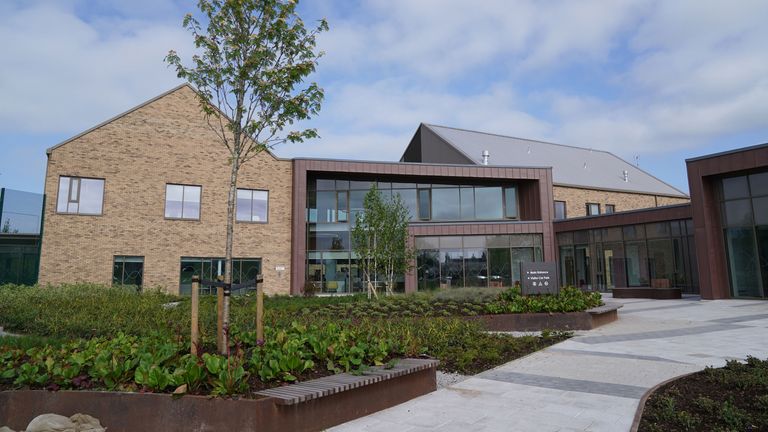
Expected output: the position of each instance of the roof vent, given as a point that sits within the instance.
(486, 156)
(626, 175)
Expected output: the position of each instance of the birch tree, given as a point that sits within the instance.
(380, 241)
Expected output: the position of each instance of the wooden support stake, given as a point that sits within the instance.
(259, 311)
(195, 338)
(220, 318)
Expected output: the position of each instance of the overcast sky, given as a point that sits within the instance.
(658, 80)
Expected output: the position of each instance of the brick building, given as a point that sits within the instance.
(144, 195)
(141, 199)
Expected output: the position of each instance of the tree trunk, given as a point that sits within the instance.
(231, 199)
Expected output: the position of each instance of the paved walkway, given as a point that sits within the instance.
(592, 382)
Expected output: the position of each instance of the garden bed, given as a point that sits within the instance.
(567, 321)
(731, 398)
(310, 406)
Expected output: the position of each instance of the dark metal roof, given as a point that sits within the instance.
(571, 166)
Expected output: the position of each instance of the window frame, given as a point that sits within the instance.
(612, 208)
(589, 212)
(77, 199)
(251, 221)
(123, 258)
(183, 192)
(554, 210)
(504, 202)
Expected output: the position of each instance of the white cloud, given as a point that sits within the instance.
(70, 75)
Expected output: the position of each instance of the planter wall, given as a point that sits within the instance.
(354, 397)
(648, 293)
(586, 320)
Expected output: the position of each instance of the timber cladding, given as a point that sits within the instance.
(164, 141)
(576, 200)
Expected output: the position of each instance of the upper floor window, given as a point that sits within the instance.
(560, 210)
(252, 205)
(593, 209)
(78, 195)
(182, 201)
(610, 208)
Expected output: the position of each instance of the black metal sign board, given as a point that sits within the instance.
(539, 278)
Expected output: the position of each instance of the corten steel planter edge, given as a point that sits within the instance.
(159, 411)
(586, 320)
(648, 394)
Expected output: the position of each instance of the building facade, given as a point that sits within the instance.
(142, 199)
(470, 225)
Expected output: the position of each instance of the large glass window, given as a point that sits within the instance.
(636, 260)
(510, 203)
(445, 204)
(474, 261)
(467, 203)
(128, 270)
(745, 220)
(252, 205)
(476, 267)
(488, 203)
(428, 269)
(182, 201)
(408, 197)
(78, 195)
(424, 204)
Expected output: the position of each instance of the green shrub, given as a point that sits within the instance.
(569, 299)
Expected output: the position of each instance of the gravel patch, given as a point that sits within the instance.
(446, 379)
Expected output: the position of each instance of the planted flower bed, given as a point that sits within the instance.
(159, 364)
(509, 301)
(731, 398)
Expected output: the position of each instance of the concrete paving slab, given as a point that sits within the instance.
(592, 382)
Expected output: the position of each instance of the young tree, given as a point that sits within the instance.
(380, 240)
(253, 56)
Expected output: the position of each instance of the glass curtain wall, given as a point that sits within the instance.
(658, 255)
(334, 205)
(744, 210)
(474, 261)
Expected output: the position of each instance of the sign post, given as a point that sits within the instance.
(539, 278)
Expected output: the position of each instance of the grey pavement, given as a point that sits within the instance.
(594, 381)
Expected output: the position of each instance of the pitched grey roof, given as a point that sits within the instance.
(571, 166)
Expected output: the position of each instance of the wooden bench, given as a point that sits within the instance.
(301, 392)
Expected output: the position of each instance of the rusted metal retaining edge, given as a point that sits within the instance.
(310, 406)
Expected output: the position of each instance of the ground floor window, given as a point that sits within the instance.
(474, 261)
(658, 255)
(338, 272)
(243, 270)
(128, 270)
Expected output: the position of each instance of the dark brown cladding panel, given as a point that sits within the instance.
(530, 202)
(658, 214)
(703, 177)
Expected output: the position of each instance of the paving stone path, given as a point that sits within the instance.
(594, 381)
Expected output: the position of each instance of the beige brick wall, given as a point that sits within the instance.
(166, 141)
(576, 200)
